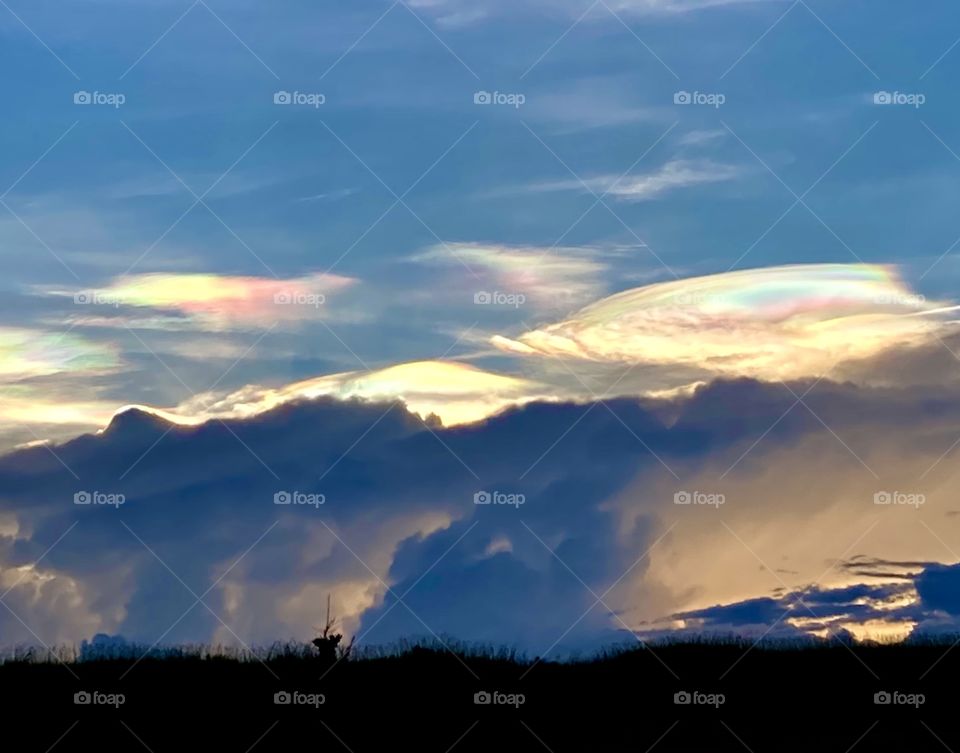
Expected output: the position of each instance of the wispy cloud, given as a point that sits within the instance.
(673, 176)
(548, 278)
(341, 193)
(701, 137)
(454, 13)
(677, 6)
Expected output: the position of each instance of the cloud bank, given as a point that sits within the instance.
(383, 515)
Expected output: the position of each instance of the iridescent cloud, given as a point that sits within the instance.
(548, 278)
(220, 301)
(32, 362)
(28, 353)
(774, 323)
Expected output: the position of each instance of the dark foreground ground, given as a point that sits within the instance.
(768, 698)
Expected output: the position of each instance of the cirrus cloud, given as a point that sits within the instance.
(674, 175)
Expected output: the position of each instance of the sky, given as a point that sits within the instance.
(610, 258)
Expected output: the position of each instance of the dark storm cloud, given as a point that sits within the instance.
(578, 499)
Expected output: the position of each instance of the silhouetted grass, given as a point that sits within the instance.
(796, 695)
(419, 647)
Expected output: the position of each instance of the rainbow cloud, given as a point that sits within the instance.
(26, 353)
(546, 277)
(774, 323)
(219, 301)
(27, 356)
(783, 323)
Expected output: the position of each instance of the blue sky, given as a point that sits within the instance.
(444, 208)
(98, 192)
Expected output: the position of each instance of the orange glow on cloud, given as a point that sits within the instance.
(456, 392)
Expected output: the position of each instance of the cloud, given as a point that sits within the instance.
(773, 323)
(937, 587)
(32, 352)
(676, 6)
(598, 486)
(411, 487)
(32, 362)
(925, 603)
(212, 301)
(548, 278)
(701, 137)
(29, 406)
(341, 193)
(455, 393)
(455, 13)
(595, 101)
(660, 340)
(863, 611)
(672, 176)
